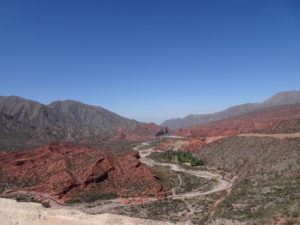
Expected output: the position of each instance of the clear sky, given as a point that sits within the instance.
(150, 59)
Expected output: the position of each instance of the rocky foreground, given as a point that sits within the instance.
(24, 213)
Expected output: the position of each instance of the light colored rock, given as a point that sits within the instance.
(25, 213)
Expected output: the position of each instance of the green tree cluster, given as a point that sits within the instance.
(182, 157)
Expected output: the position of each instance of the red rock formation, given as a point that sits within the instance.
(251, 121)
(195, 144)
(66, 171)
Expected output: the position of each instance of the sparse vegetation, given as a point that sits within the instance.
(262, 196)
(167, 209)
(167, 178)
(286, 127)
(197, 210)
(91, 197)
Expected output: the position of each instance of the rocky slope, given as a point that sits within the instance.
(65, 171)
(283, 98)
(267, 171)
(91, 115)
(285, 127)
(248, 155)
(26, 124)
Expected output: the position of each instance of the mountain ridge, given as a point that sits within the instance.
(281, 98)
(30, 123)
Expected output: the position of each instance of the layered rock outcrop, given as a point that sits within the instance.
(65, 171)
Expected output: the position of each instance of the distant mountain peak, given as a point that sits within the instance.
(284, 98)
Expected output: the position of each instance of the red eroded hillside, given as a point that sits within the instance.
(141, 132)
(66, 171)
(256, 120)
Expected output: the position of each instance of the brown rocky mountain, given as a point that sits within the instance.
(91, 115)
(283, 98)
(26, 124)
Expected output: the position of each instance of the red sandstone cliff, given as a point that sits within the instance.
(66, 171)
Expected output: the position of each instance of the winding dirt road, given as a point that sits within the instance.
(222, 183)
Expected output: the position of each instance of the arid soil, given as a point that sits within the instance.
(24, 213)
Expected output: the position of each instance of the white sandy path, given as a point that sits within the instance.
(25, 213)
(279, 136)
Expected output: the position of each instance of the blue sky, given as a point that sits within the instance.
(150, 60)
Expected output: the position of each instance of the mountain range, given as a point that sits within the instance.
(26, 124)
(282, 98)
(29, 123)
(250, 172)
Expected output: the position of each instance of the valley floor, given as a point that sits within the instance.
(195, 205)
